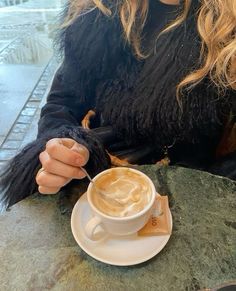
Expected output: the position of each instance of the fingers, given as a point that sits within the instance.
(46, 179)
(48, 190)
(61, 162)
(67, 151)
(58, 168)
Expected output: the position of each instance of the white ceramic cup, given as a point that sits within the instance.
(118, 225)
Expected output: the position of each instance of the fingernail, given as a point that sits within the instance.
(80, 150)
(77, 148)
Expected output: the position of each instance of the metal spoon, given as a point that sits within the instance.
(100, 191)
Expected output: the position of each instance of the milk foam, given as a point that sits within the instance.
(123, 193)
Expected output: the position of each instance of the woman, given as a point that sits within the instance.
(159, 76)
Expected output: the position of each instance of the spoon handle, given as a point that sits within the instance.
(87, 174)
(91, 180)
(100, 191)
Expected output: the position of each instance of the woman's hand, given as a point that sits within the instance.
(61, 162)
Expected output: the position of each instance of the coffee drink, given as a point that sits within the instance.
(121, 200)
(121, 193)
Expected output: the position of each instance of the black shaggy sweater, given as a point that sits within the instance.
(137, 114)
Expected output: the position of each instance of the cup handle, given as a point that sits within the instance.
(91, 226)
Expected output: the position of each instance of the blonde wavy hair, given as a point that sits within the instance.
(216, 23)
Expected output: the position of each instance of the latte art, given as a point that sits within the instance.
(123, 193)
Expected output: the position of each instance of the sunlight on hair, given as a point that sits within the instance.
(216, 22)
(216, 26)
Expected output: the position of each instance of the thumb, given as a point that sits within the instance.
(83, 151)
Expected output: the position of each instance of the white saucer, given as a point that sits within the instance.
(113, 250)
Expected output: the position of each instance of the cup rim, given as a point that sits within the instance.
(125, 218)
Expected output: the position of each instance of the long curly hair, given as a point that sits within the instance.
(216, 23)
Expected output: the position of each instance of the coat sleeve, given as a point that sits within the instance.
(87, 51)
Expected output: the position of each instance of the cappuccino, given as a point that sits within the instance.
(121, 193)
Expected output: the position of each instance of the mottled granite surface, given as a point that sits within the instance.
(38, 252)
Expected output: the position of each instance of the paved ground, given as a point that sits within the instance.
(27, 65)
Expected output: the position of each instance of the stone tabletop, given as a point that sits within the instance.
(38, 251)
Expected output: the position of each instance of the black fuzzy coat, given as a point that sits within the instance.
(137, 111)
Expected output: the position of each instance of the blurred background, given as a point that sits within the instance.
(27, 65)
